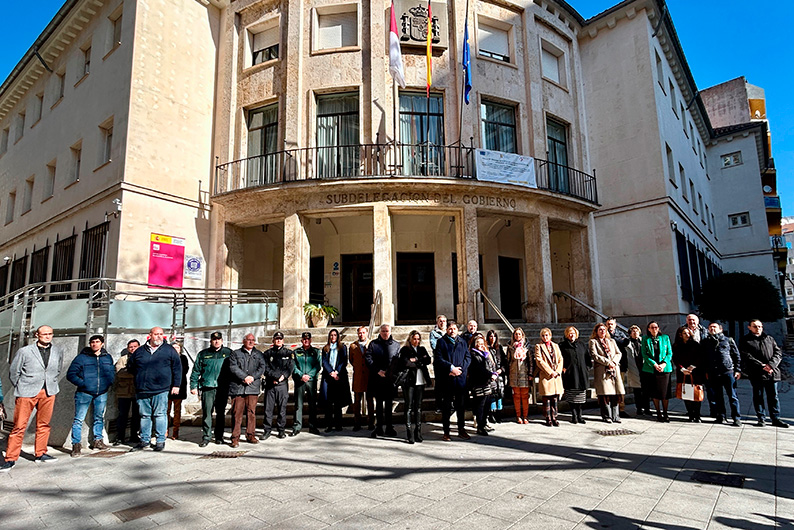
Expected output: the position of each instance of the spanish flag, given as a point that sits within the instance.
(429, 48)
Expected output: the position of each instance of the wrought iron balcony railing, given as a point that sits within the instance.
(383, 160)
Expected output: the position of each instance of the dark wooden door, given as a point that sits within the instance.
(416, 287)
(356, 287)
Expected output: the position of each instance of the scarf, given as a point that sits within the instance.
(332, 355)
(605, 344)
(519, 351)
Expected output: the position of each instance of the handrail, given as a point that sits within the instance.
(493, 306)
(376, 307)
(596, 312)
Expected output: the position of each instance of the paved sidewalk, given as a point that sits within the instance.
(522, 476)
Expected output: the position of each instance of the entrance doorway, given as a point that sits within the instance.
(416, 287)
(356, 287)
(317, 280)
(510, 287)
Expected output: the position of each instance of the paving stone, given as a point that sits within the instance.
(539, 521)
(568, 506)
(675, 503)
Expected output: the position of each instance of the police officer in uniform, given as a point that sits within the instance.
(279, 365)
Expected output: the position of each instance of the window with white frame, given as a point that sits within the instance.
(27, 198)
(264, 44)
(732, 159)
(738, 220)
(86, 60)
(336, 26)
(493, 41)
(552, 63)
(498, 127)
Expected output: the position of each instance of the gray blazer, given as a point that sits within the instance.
(28, 375)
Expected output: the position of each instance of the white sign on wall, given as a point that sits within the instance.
(507, 168)
(194, 268)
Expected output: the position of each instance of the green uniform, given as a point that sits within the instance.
(307, 362)
(210, 375)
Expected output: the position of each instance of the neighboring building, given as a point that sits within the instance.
(787, 229)
(271, 139)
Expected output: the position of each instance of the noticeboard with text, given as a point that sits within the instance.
(166, 260)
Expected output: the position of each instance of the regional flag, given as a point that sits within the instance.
(395, 54)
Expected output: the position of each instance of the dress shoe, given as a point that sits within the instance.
(159, 446)
(251, 439)
(548, 423)
(390, 431)
(574, 420)
(264, 437)
(234, 444)
(780, 424)
(616, 419)
(719, 419)
(446, 438)
(482, 432)
(281, 434)
(219, 441)
(204, 443)
(760, 422)
(118, 441)
(608, 420)
(76, 450)
(463, 435)
(314, 430)
(555, 423)
(666, 418)
(137, 447)
(45, 458)
(639, 412)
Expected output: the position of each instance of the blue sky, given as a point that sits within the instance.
(722, 40)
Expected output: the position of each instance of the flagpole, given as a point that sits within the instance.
(429, 78)
(463, 92)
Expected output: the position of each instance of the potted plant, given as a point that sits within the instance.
(317, 315)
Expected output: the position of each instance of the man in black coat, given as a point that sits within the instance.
(380, 353)
(279, 365)
(451, 360)
(246, 366)
(761, 358)
(723, 369)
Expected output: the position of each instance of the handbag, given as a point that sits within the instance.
(401, 377)
(689, 391)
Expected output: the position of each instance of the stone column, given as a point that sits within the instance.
(582, 274)
(233, 262)
(538, 269)
(296, 272)
(383, 269)
(468, 247)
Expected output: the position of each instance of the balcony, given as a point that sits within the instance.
(772, 203)
(384, 160)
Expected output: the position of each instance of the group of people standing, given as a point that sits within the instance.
(468, 367)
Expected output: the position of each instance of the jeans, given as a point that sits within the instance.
(481, 404)
(718, 383)
(82, 401)
(154, 409)
(770, 387)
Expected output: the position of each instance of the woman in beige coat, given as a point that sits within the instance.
(548, 360)
(606, 373)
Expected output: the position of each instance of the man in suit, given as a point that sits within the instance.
(380, 353)
(451, 360)
(34, 374)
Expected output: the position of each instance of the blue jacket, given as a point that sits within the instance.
(156, 372)
(448, 354)
(90, 373)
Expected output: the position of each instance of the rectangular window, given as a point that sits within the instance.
(38, 265)
(700, 203)
(498, 127)
(682, 177)
(337, 135)
(92, 255)
(115, 30)
(670, 165)
(422, 134)
(263, 164)
(63, 264)
(106, 145)
(659, 70)
(4, 140)
(264, 45)
(672, 97)
(683, 266)
(683, 121)
(731, 159)
(19, 271)
(77, 156)
(707, 217)
(12, 199)
(552, 63)
(49, 184)
(557, 147)
(692, 194)
(27, 198)
(38, 104)
(713, 226)
(60, 83)
(738, 220)
(493, 42)
(20, 126)
(87, 60)
(692, 136)
(337, 29)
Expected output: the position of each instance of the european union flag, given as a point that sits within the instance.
(466, 63)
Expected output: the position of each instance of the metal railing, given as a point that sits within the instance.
(493, 306)
(384, 160)
(375, 313)
(581, 303)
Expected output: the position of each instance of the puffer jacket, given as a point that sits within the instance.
(722, 355)
(756, 353)
(242, 364)
(90, 373)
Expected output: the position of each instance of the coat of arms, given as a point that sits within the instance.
(414, 26)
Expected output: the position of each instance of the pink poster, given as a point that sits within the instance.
(166, 260)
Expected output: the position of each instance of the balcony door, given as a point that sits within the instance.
(422, 134)
(557, 135)
(337, 135)
(262, 163)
